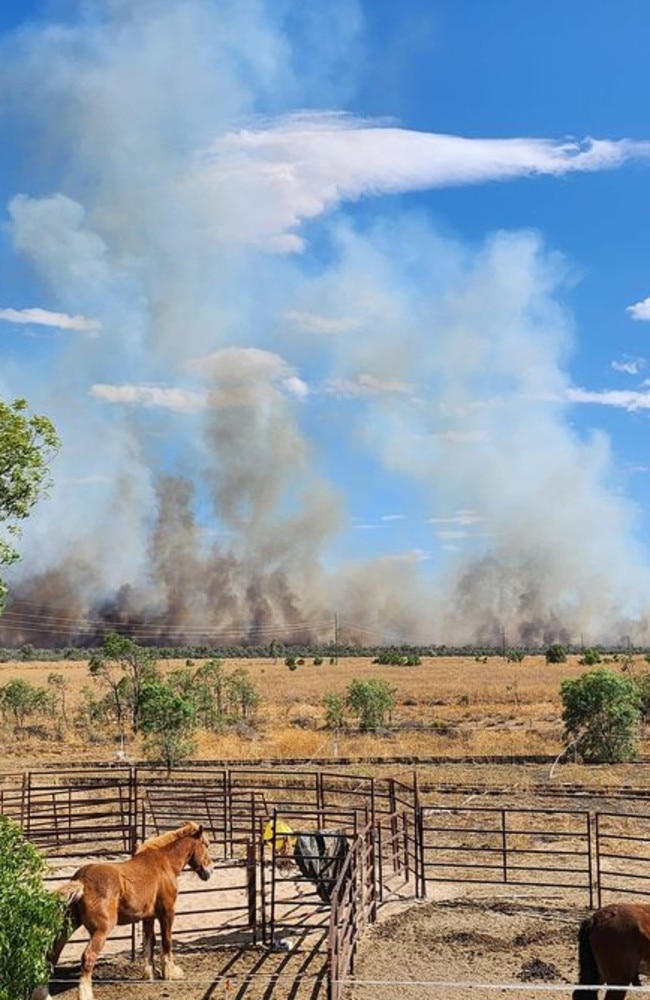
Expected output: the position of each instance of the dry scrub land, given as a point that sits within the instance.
(450, 707)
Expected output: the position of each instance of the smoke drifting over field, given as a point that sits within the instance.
(242, 351)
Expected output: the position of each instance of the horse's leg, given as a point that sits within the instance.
(148, 942)
(89, 957)
(170, 970)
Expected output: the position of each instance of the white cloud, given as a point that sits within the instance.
(631, 366)
(465, 517)
(259, 184)
(640, 310)
(43, 317)
(625, 400)
(366, 385)
(393, 517)
(313, 323)
(169, 398)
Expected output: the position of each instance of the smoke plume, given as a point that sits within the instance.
(229, 347)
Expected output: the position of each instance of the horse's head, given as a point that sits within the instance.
(200, 860)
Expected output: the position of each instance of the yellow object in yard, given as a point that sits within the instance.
(285, 840)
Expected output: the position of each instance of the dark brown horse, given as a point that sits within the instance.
(144, 888)
(613, 947)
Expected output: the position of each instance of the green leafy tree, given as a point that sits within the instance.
(59, 686)
(28, 443)
(167, 723)
(19, 699)
(556, 653)
(207, 688)
(30, 916)
(372, 701)
(334, 711)
(601, 715)
(124, 667)
(243, 696)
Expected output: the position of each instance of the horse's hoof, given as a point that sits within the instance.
(147, 972)
(175, 972)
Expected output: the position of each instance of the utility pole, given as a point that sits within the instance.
(336, 638)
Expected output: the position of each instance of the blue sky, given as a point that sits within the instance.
(339, 311)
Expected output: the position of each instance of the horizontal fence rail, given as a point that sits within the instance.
(524, 847)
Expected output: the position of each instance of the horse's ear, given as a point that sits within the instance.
(198, 833)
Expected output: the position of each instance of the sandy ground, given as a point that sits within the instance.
(460, 944)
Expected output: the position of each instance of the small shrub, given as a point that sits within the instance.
(556, 653)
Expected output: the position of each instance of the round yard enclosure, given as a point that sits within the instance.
(435, 888)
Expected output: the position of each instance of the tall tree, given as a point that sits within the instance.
(27, 445)
(124, 667)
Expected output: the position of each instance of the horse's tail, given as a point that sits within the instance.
(71, 892)
(588, 974)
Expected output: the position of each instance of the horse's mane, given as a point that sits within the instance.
(163, 839)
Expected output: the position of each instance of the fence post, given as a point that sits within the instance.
(504, 845)
(420, 880)
(251, 880)
(599, 894)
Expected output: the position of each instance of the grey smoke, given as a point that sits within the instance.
(194, 497)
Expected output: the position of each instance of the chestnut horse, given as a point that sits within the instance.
(613, 947)
(144, 888)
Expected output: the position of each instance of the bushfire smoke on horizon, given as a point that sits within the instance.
(247, 337)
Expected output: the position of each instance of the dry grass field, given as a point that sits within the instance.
(448, 706)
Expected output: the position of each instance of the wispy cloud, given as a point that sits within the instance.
(43, 317)
(169, 398)
(631, 366)
(299, 166)
(393, 517)
(366, 385)
(624, 399)
(314, 323)
(465, 517)
(640, 310)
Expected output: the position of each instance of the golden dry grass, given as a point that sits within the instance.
(447, 706)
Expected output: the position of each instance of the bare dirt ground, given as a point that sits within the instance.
(457, 945)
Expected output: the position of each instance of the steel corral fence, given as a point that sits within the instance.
(392, 831)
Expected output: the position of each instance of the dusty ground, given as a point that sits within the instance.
(455, 946)
(450, 947)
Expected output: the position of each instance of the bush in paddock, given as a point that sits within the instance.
(372, 701)
(602, 715)
(556, 653)
(30, 916)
